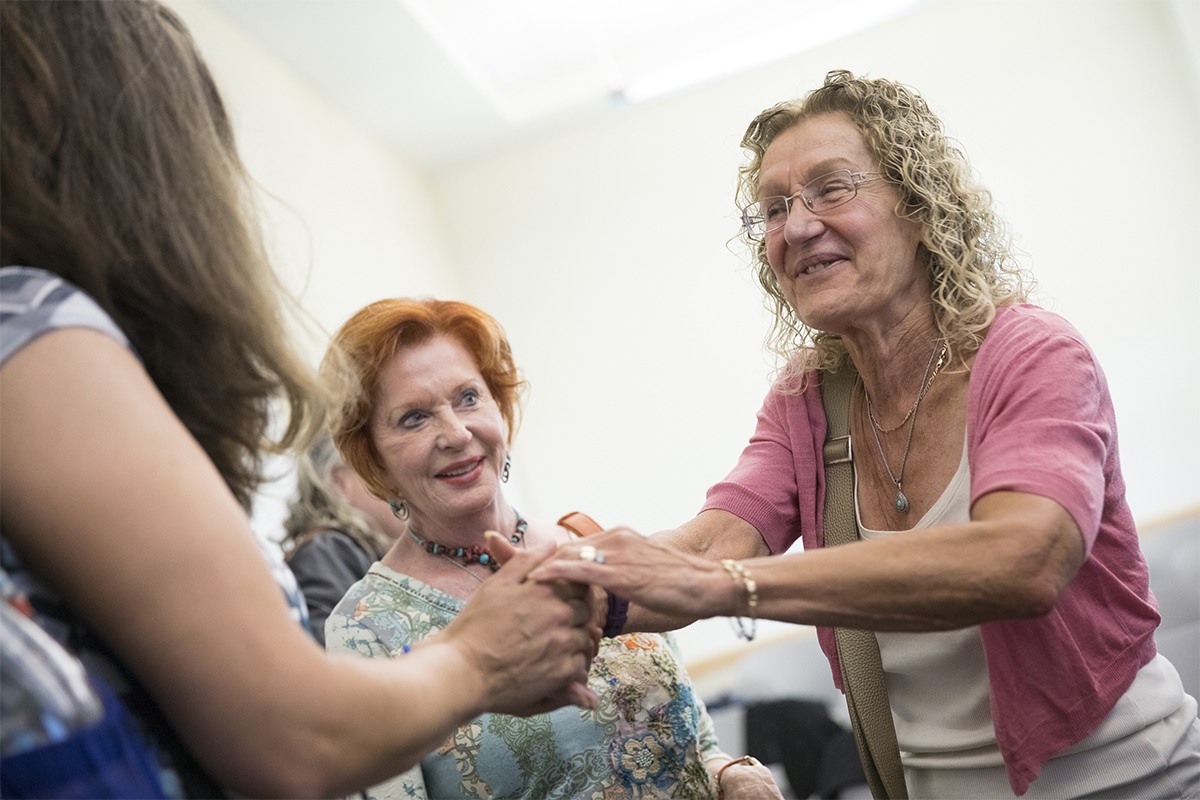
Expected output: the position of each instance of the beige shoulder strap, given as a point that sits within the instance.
(858, 651)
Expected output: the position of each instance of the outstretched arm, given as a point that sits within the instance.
(1011, 561)
(673, 577)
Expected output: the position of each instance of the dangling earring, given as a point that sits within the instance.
(399, 509)
(507, 467)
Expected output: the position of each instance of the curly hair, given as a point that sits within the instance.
(972, 264)
(366, 345)
(119, 173)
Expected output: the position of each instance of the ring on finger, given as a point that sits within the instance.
(589, 553)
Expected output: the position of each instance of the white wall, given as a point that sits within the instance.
(348, 220)
(604, 249)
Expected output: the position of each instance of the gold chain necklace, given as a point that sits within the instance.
(924, 388)
(456, 565)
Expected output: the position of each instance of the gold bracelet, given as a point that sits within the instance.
(741, 575)
(751, 760)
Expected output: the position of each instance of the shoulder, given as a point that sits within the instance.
(1033, 340)
(34, 302)
(350, 625)
(1034, 365)
(797, 383)
(541, 533)
(327, 542)
(1024, 324)
(386, 610)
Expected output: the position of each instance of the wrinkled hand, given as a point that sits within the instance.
(502, 550)
(528, 641)
(746, 781)
(646, 572)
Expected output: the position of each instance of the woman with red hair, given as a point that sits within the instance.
(429, 405)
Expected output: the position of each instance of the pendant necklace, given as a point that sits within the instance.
(475, 554)
(926, 381)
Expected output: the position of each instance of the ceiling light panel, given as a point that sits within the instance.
(531, 59)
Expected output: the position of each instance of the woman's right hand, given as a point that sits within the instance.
(529, 645)
(645, 571)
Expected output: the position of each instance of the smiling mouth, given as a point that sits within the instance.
(457, 471)
(815, 268)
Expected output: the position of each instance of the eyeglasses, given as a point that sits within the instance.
(819, 195)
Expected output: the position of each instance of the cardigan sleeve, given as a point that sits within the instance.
(1043, 418)
(778, 482)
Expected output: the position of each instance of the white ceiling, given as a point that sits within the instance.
(444, 80)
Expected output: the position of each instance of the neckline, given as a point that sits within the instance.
(935, 511)
(418, 588)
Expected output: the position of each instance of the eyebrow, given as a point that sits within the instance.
(820, 168)
(428, 401)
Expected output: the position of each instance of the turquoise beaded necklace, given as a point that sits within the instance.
(470, 555)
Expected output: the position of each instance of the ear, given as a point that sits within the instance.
(340, 477)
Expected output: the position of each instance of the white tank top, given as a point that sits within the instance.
(940, 697)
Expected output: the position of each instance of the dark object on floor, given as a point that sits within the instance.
(817, 754)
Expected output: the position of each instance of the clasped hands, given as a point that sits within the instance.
(621, 561)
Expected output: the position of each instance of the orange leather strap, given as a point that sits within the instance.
(580, 524)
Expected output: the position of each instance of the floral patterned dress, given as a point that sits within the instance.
(649, 738)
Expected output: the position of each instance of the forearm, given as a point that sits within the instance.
(374, 719)
(1011, 562)
(268, 714)
(712, 536)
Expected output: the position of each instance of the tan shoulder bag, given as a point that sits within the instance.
(858, 651)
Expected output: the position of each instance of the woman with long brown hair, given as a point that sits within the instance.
(143, 363)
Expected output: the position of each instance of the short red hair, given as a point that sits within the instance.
(368, 342)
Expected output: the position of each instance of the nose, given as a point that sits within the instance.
(802, 224)
(454, 434)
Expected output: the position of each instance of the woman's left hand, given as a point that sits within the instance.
(746, 780)
(500, 549)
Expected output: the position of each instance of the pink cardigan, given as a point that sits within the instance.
(1039, 420)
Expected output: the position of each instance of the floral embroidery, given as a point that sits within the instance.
(639, 641)
(642, 758)
(647, 740)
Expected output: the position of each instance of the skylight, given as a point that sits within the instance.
(534, 58)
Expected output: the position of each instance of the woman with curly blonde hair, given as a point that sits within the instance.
(969, 258)
(993, 554)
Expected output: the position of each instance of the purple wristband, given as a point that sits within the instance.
(618, 611)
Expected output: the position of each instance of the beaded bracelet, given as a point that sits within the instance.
(742, 576)
(751, 760)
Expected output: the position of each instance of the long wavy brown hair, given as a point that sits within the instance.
(972, 264)
(119, 173)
